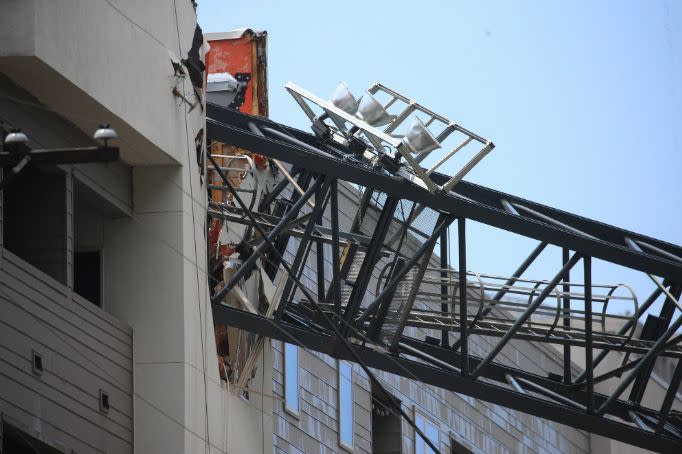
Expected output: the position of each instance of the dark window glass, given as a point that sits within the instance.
(34, 220)
(15, 441)
(87, 276)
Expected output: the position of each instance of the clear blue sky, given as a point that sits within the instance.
(581, 98)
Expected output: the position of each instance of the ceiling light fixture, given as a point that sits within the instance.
(16, 137)
(104, 134)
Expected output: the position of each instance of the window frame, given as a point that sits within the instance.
(427, 421)
(343, 443)
(295, 412)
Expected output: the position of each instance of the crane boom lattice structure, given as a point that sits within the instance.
(379, 294)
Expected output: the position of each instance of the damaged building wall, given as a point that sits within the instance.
(244, 361)
(154, 285)
(461, 422)
(471, 423)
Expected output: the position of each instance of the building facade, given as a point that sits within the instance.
(124, 370)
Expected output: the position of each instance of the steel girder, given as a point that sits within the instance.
(566, 400)
(469, 200)
(450, 380)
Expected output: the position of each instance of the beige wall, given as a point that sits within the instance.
(92, 61)
(83, 350)
(104, 61)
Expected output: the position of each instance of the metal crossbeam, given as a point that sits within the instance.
(64, 156)
(469, 200)
(446, 379)
(370, 260)
(417, 295)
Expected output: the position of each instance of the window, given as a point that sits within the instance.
(35, 222)
(291, 378)
(38, 223)
(431, 432)
(387, 435)
(346, 404)
(16, 441)
(91, 215)
(458, 448)
(87, 275)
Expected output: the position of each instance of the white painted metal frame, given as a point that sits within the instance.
(379, 138)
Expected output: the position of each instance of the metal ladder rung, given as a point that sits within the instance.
(391, 102)
(400, 118)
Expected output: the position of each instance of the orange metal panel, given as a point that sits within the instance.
(243, 54)
(233, 56)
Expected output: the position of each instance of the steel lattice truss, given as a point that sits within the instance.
(415, 318)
